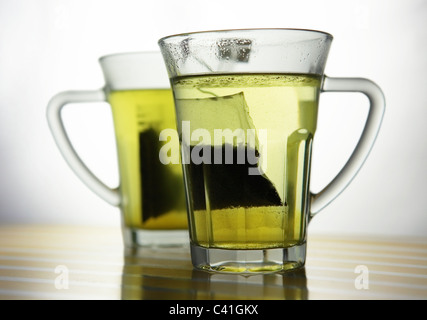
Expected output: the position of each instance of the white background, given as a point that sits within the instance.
(49, 46)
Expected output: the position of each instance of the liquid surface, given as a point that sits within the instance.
(152, 192)
(228, 207)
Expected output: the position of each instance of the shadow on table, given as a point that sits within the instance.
(168, 274)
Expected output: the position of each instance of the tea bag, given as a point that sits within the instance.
(206, 125)
(158, 182)
(214, 117)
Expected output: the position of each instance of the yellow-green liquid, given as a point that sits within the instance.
(152, 192)
(284, 106)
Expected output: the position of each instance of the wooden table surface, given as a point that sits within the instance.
(65, 262)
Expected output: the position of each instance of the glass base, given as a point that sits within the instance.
(249, 261)
(155, 238)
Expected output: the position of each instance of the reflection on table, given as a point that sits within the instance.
(167, 274)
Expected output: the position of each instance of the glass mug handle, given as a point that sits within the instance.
(57, 128)
(363, 147)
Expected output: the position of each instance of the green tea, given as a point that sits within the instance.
(152, 192)
(229, 208)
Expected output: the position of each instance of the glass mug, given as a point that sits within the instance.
(246, 103)
(151, 194)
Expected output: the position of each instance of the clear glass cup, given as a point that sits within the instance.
(151, 193)
(246, 104)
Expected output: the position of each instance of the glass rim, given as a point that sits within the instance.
(225, 31)
(130, 53)
(134, 70)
